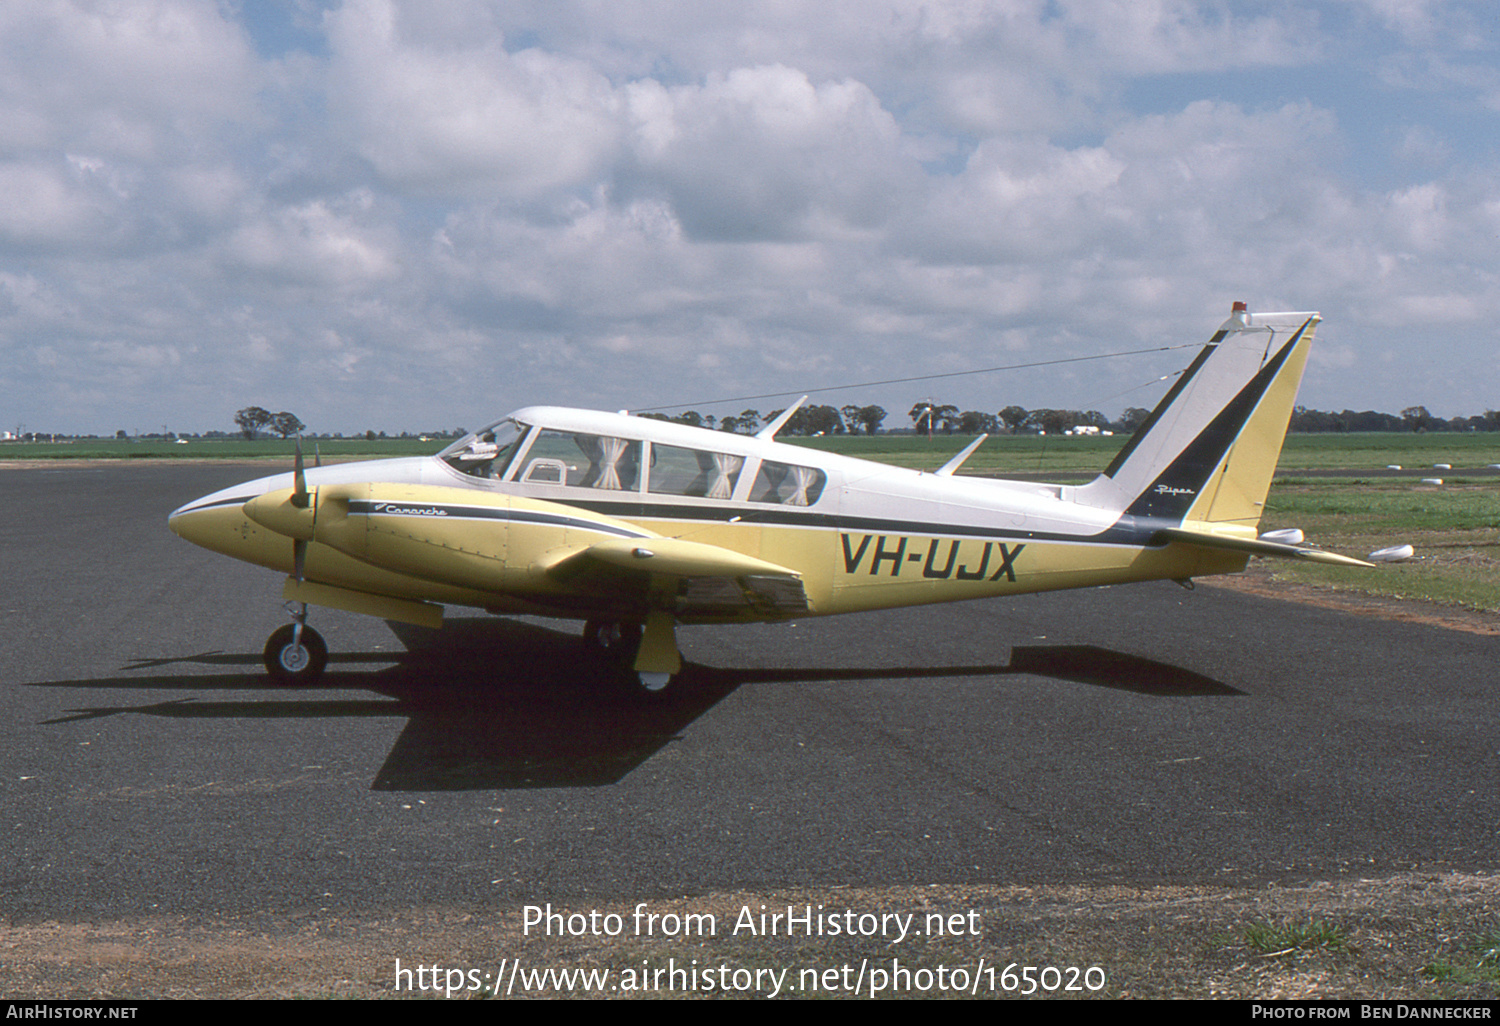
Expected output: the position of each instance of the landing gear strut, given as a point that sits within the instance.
(619, 639)
(646, 654)
(296, 654)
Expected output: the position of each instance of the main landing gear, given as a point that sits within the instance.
(645, 654)
(295, 654)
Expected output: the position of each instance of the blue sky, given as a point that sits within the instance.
(406, 216)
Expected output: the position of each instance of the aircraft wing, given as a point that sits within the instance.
(1256, 546)
(709, 580)
(673, 557)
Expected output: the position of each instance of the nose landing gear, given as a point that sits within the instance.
(295, 654)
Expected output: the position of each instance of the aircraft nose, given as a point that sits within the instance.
(216, 520)
(202, 521)
(180, 517)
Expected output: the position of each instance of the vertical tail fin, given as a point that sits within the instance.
(1208, 451)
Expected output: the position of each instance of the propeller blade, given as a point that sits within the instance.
(300, 497)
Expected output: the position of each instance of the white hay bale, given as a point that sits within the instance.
(1285, 536)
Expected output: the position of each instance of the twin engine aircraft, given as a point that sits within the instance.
(635, 526)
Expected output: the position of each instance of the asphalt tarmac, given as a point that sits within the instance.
(1146, 734)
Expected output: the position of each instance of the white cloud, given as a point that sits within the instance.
(45, 206)
(315, 244)
(129, 80)
(1018, 199)
(764, 153)
(1414, 19)
(451, 208)
(451, 112)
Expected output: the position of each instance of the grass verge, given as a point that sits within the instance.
(1454, 528)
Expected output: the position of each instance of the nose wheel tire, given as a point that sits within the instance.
(294, 661)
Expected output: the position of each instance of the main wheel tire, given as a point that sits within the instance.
(621, 641)
(295, 665)
(652, 687)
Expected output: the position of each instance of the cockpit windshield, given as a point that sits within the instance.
(488, 452)
(539, 459)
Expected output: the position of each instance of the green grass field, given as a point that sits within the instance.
(1454, 527)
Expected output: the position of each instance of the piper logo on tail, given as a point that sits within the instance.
(894, 555)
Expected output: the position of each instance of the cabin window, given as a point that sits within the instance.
(677, 471)
(487, 453)
(788, 485)
(583, 461)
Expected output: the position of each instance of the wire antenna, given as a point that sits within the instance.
(919, 377)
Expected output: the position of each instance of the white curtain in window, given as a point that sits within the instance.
(725, 467)
(802, 477)
(611, 449)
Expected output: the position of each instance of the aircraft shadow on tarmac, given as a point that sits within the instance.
(498, 704)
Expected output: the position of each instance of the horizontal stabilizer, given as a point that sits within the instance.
(1255, 547)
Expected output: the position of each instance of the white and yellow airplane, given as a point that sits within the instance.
(636, 525)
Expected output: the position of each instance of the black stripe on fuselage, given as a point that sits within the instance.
(447, 511)
(236, 500)
(1127, 531)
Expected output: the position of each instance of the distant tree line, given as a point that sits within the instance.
(252, 420)
(926, 418)
(1413, 418)
(931, 417)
